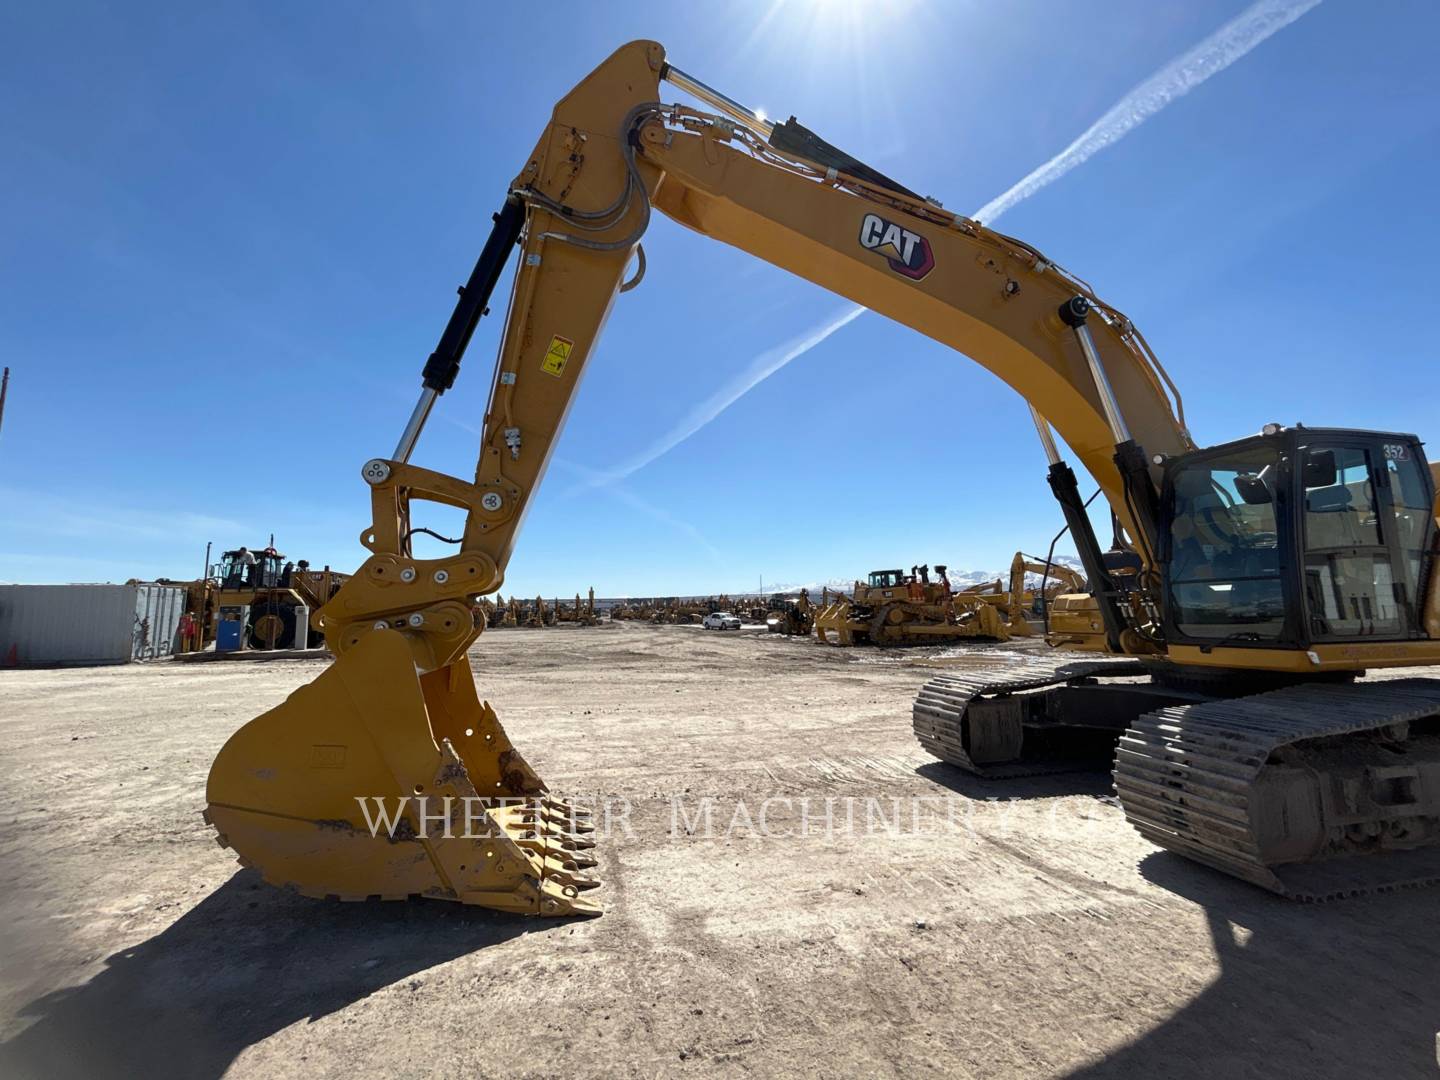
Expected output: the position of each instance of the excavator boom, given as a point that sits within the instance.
(397, 723)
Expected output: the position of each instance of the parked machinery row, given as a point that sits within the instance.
(537, 612)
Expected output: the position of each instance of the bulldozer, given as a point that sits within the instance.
(896, 608)
(1272, 569)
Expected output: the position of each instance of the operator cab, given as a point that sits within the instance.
(888, 579)
(266, 572)
(1297, 537)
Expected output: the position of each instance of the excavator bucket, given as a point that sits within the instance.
(375, 781)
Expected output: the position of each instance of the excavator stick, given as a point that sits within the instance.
(374, 781)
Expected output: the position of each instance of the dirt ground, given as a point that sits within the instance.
(1017, 929)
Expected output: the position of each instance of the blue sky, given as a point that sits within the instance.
(231, 234)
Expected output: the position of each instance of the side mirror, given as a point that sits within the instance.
(1252, 489)
(1320, 469)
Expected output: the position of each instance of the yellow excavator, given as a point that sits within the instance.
(1271, 570)
(1018, 602)
(1056, 581)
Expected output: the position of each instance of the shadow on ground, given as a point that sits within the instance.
(1333, 990)
(1094, 781)
(245, 962)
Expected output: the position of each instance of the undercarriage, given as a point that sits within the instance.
(1315, 790)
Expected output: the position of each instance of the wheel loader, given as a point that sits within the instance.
(1272, 569)
(263, 589)
(791, 616)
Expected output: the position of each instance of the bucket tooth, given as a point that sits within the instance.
(555, 871)
(567, 807)
(373, 782)
(570, 857)
(573, 860)
(571, 825)
(557, 901)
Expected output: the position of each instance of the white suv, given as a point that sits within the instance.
(720, 620)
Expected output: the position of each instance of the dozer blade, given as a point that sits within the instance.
(468, 819)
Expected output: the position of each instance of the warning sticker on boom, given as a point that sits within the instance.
(557, 355)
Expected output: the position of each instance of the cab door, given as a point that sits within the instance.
(1365, 509)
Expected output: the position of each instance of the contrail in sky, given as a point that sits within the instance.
(759, 369)
(625, 495)
(1176, 79)
(635, 502)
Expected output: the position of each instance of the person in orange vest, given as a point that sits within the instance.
(189, 633)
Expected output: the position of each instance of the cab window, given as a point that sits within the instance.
(1349, 573)
(1413, 508)
(1225, 579)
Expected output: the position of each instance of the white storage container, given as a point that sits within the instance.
(88, 624)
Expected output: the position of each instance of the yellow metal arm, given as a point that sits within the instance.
(610, 153)
(1062, 576)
